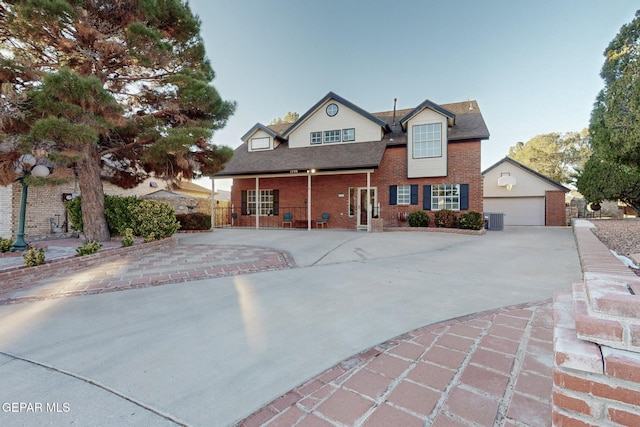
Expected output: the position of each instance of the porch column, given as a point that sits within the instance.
(258, 202)
(368, 202)
(308, 200)
(213, 203)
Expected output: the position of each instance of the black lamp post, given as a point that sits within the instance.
(19, 244)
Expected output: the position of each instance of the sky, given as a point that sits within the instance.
(532, 66)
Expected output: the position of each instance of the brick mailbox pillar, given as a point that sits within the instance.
(596, 375)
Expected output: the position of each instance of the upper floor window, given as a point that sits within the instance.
(348, 135)
(332, 110)
(260, 143)
(316, 137)
(332, 136)
(445, 196)
(427, 140)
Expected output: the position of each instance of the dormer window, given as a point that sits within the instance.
(260, 143)
(427, 140)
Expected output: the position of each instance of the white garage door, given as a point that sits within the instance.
(518, 210)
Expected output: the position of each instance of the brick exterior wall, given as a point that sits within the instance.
(555, 212)
(596, 375)
(330, 193)
(43, 202)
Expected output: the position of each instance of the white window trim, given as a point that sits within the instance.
(326, 133)
(258, 144)
(344, 135)
(433, 146)
(318, 134)
(404, 192)
(440, 202)
(266, 202)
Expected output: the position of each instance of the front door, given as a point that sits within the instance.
(361, 212)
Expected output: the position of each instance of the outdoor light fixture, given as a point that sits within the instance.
(27, 166)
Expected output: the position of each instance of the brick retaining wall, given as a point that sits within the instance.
(596, 378)
(20, 276)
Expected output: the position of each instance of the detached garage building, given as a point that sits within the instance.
(523, 195)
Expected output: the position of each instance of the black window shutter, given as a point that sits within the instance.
(276, 201)
(464, 197)
(393, 195)
(243, 207)
(414, 194)
(426, 197)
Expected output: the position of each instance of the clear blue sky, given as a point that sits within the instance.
(533, 66)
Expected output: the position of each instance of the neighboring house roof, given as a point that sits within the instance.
(469, 125)
(191, 187)
(341, 100)
(508, 159)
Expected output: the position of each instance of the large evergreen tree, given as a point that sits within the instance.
(613, 171)
(108, 88)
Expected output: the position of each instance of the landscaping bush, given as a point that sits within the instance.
(446, 218)
(5, 244)
(127, 238)
(471, 220)
(419, 219)
(117, 210)
(33, 257)
(154, 220)
(194, 221)
(88, 248)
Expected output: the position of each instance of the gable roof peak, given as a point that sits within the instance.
(427, 103)
(334, 96)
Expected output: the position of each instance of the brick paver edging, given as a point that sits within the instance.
(18, 276)
(491, 368)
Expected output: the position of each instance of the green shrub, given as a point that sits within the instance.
(88, 248)
(5, 244)
(471, 220)
(74, 213)
(127, 238)
(194, 221)
(33, 257)
(419, 219)
(117, 211)
(154, 220)
(446, 218)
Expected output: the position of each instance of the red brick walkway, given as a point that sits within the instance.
(488, 369)
(170, 264)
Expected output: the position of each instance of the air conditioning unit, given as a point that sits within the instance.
(494, 220)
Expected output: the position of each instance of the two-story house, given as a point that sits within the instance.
(357, 166)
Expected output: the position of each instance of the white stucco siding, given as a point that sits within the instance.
(6, 207)
(259, 135)
(427, 166)
(346, 118)
(527, 184)
(518, 210)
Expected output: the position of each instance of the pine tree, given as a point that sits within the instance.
(113, 88)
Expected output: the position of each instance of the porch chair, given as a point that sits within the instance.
(287, 219)
(235, 220)
(324, 221)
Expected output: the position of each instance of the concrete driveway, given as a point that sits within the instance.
(210, 352)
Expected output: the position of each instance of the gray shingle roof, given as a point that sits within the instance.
(469, 125)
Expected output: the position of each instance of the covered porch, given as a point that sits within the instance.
(301, 200)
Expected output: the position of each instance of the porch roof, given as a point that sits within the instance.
(282, 159)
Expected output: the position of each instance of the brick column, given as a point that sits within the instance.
(596, 378)
(555, 212)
